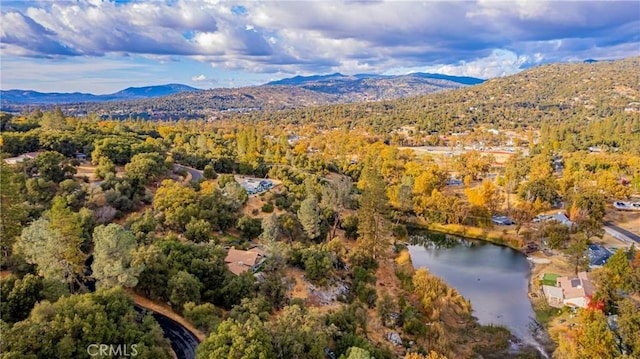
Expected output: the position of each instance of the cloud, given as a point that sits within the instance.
(198, 78)
(483, 37)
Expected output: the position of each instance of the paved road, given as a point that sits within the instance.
(195, 174)
(610, 227)
(183, 342)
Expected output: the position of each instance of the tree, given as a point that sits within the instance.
(372, 226)
(357, 353)
(53, 166)
(145, 167)
(209, 172)
(591, 200)
(152, 281)
(309, 216)
(337, 196)
(473, 163)
(105, 166)
(66, 328)
(236, 195)
(575, 251)
(205, 316)
(232, 339)
(12, 210)
(53, 244)
(591, 339)
(270, 228)
(198, 230)
(629, 325)
(112, 260)
(19, 296)
(298, 333)
(487, 196)
(544, 189)
(183, 288)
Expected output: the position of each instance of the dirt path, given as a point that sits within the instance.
(167, 312)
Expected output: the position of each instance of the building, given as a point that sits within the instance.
(598, 255)
(22, 158)
(572, 292)
(256, 185)
(239, 261)
(559, 217)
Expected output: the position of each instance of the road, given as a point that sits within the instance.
(195, 174)
(183, 342)
(620, 233)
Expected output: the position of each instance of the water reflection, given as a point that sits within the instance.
(493, 278)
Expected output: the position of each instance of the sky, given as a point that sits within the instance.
(104, 46)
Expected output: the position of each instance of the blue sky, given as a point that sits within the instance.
(103, 46)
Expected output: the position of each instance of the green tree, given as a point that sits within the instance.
(337, 196)
(105, 166)
(198, 230)
(19, 296)
(152, 281)
(205, 316)
(67, 327)
(372, 224)
(236, 195)
(184, 287)
(53, 166)
(250, 339)
(270, 228)
(12, 210)
(145, 167)
(112, 262)
(298, 333)
(629, 325)
(209, 172)
(53, 243)
(309, 216)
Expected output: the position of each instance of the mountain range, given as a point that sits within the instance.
(287, 93)
(130, 93)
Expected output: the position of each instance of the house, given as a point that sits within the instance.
(239, 261)
(560, 217)
(572, 292)
(22, 158)
(255, 185)
(598, 255)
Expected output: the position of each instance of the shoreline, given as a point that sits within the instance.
(541, 331)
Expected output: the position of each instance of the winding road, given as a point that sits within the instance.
(183, 342)
(195, 174)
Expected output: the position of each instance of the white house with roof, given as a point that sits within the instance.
(22, 158)
(570, 291)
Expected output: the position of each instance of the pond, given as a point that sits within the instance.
(495, 279)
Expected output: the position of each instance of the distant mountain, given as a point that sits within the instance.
(34, 97)
(338, 77)
(180, 101)
(465, 80)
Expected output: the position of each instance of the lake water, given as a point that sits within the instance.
(494, 278)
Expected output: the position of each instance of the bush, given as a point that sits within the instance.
(267, 207)
(350, 226)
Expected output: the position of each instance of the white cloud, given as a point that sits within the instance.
(482, 38)
(198, 78)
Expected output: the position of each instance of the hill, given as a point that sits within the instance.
(35, 97)
(187, 102)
